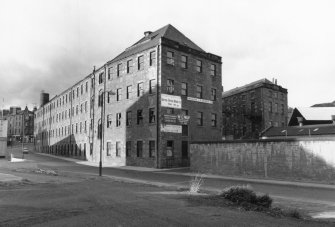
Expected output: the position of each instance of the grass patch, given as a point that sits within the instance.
(244, 198)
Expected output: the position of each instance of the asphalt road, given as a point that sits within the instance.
(311, 200)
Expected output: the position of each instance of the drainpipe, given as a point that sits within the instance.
(158, 164)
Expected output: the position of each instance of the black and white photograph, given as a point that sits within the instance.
(167, 113)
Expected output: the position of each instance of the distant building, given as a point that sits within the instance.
(311, 116)
(327, 104)
(142, 108)
(20, 125)
(3, 137)
(250, 109)
(302, 131)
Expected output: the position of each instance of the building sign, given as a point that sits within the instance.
(183, 119)
(199, 100)
(179, 119)
(171, 128)
(171, 101)
(170, 119)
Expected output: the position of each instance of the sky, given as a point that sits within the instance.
(51, 44)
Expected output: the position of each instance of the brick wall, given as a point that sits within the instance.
(305, 160)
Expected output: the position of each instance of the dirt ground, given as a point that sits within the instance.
(98, 201)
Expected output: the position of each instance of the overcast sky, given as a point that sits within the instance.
(50, 45)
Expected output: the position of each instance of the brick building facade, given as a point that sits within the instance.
(250, 109)
(20, 124)
(142, 108)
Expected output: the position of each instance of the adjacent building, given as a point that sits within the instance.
(250, 109)
(142, 108)
(20, 125)
(311, 116)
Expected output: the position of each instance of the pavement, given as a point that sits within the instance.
(9, 177)
(187, 172)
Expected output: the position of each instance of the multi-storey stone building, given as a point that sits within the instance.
(250, 109)
(142, 108)
(20, 125)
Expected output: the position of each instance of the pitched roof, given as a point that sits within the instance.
(247, 87)
(153, 38)
(308, 130)
(316, 113)
(327, 104)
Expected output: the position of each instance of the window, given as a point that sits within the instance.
(80, 128)
(118, 73)
(152, 58)
(198, 66)
(169, 148)
(118, 119)
(108, 97)
(184, 130)
(183, 63)
(270, 107)
(101, 80)
(170, 58)
(184, 89)
(270, 93)
(100, 98)
(86, 107)
(86, 88)
(213, 120)
(140, 62)
(81, 108)
(276, 108)
(282, 109)
(152, 115)
(128, 118)
(109, 121)
(118, 94)
(110, 72)
(81, 90)
(199, 92)
(184, 149)
(85, 127)
(152, 86)
(77, 110)
(275, 94)
(128, 148)
(139, 117)
(213, 70)
(129, 66)
(139, 148)
(129, 91)
(152, 145)
(170, 111)
(76, 128)
(170, 86)
(118, 149)
(140, 89)
(77, 93)
(213, 94)
(109, 148)
(199, 118)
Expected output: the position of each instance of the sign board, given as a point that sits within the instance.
(171, 101)
(183, 119)
(171, 128)
(200, 100)
(169, 119)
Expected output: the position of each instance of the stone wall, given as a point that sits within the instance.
(304, 159)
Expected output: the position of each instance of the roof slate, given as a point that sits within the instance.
(307, 130)
(152, 40)
(246, 87)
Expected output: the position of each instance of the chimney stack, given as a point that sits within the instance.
(300, 121)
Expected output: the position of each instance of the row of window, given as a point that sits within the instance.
(76, 128)
(67, 114)
(273, 108)
(61, 101)
(67, 149)
(184, 90)
(184, 63)
(129, 66)
(129, 92)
